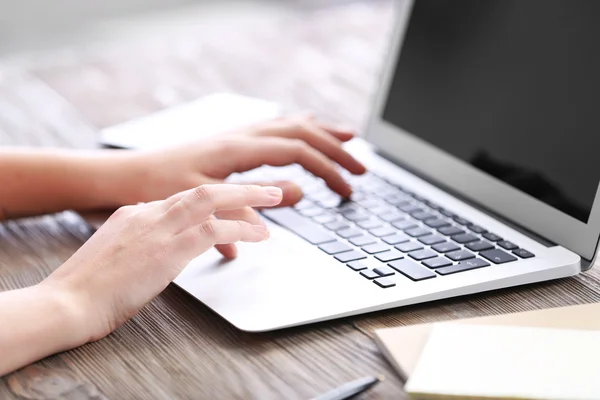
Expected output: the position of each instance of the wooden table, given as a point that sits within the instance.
(175, 347)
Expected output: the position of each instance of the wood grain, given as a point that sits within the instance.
(176, 348)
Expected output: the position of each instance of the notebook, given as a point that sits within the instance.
(199, 119)
(461, 361)
(402, 346)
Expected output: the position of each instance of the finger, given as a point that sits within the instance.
(178, 196)
(229, 251)
(321, 140)
(252, 153)
(340, 133)
(292, 193)
(202, 202)
(246, 214)
(243, 214)
(329, 145)
(212, 232)
(221, 231)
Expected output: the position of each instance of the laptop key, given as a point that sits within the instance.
(363, 240)
(389, 256)
(376, 248)
(384, 270)
(463, 266)
(464, 238)
(450, 230)
(349, 233)
(408, 247)
(421, 255)
(437, 262)
(357, 266)
(461, 221)
(445, 247)
(384, 283)
(412, 270)
(396, 239)
(492, 237)
(523, 253)
(335, 247)
(477, 229)
(417, 232)
(355, 215)
(370, 223)
(436, 223)
(460, 255)
(396, 199)
(383, 231)
(497, 256)
(312, 211)
(402, 225)
(325, 218)
(391, 217)
(446, 213)
(306, 229)
(331, 202)
(350, 256)
(370, 274)
(409, 208)
(369, 202)
(431, 240)
(381, 209)
(434, 206)
(337, 225)
(304, 203)
(348, 206)
(480, 246)
(422, 215)
(507, 245)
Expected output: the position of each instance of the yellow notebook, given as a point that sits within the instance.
(402, 346)
(505, 362)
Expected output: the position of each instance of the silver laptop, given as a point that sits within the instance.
(483, 174)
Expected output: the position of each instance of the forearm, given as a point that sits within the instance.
(34, 182)
(34, 323)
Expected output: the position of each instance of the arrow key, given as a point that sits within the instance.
(497, 256)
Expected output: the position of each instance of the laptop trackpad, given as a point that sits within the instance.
(282, 279)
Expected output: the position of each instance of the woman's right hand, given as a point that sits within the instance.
(141, 249)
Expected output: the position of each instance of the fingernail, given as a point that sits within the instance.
(274, 192)
(261, 229)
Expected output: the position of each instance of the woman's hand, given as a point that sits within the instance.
(50, 180)
(315, 146)
(141, 249)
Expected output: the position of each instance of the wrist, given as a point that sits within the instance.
(36, 322)
(69, 314)
(117, 175)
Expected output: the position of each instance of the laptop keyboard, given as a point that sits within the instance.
(386, 231)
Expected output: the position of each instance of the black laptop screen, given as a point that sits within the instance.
(511, 87)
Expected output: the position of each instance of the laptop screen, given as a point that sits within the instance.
(512, 87)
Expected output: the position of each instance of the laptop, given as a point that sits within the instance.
(481, 152)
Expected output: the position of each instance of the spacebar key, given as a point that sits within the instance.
(308, 230)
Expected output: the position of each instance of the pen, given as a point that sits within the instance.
(351, 389)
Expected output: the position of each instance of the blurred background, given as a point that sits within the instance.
(70, 68)
(46, 24)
